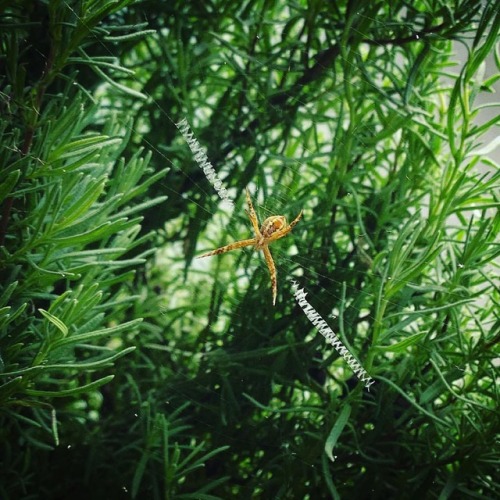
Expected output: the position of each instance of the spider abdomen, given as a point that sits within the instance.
(272, 224)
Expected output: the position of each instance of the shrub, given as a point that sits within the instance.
(352, 111)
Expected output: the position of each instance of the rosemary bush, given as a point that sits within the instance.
(70, 234)
(353, 111)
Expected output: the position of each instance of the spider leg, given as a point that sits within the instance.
(294, 222)
(253, 217)
(228, 248)
(272, 271)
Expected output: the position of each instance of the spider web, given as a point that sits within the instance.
(229, 279)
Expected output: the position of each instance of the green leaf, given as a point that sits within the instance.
(126, 90)
(139, 472)
(8, 317)
(55, 321)
(403, 344)
(143, 206)
(488, 148)
(325, 466)
(82, 146)
(8, 184)
(413, 402)
(96, 62)
(200, 461)
(70, 392)
(97, 233)
(7, 293)
(83, 204)
(65, 168)
(97, 334)
(336, 431)
(10, 388)
(130, 36)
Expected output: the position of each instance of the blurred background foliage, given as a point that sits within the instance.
(129, 369)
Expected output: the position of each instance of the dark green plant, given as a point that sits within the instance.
(352, 111)
(71, 241)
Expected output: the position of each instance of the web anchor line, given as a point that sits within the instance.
(202, 160)
(314, 317)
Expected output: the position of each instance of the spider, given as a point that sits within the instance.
(272, 229)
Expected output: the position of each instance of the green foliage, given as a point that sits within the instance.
(67, 229)
(352, 111)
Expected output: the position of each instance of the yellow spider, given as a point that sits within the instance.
(272, 229)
